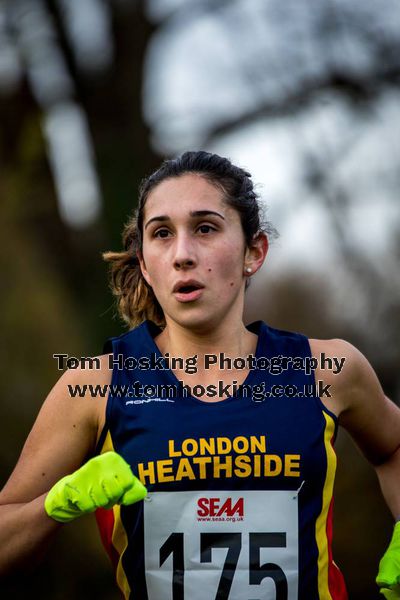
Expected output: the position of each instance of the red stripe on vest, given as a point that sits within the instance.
(105, 522)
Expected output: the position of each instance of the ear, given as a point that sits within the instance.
(255, 253)
(143, 269)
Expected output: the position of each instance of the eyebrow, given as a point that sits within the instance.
(193, 213)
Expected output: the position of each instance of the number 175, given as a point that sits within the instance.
(233, 541)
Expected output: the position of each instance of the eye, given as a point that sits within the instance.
(205, 228)
(161, 233)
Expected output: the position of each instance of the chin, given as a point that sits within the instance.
(196, 320)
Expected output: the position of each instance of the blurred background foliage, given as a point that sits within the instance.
(94, 93)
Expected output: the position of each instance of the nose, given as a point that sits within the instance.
(184, 252)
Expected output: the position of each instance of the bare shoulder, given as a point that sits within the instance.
(358, 399)
(335, 360)
(64, 434)
(82, 393)
(340, 363)
(346, 369)
(89, 385)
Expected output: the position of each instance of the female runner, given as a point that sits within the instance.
(230, 428)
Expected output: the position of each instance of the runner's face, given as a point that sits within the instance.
(191, 235)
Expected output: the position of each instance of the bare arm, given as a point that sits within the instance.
(389, 479)
(62, 438)
(369, 416)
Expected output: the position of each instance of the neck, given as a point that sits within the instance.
(233, 339)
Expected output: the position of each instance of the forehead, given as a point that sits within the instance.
(184, 194)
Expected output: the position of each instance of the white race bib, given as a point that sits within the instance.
(209, 545)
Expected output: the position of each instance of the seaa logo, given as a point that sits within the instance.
(213, 507)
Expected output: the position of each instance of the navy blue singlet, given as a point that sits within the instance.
(239, 491)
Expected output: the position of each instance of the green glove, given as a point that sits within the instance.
(103, 481)
(389, 568)
(391, 594)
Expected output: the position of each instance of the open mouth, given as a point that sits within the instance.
(186, 289)
(189, 291)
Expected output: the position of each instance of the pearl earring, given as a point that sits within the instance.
(248, 269)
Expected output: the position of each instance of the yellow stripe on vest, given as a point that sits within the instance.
(119, 538)
(320, 526)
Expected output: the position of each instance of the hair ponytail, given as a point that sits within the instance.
(135, 299)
